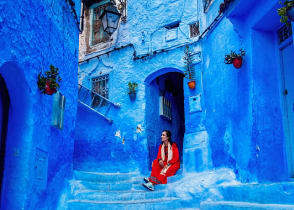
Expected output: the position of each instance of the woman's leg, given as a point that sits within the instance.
(155, 177)
(172, 170)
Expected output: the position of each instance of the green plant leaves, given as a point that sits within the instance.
(51, 78)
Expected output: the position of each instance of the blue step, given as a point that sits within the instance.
(230, 205)
(278, 193)
(104, 177)
(121, 196)
(116, 186)
(174, 178)
(162, 203)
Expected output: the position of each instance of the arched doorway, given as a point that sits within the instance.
(18, 148)
(164, 109)
(4, 113)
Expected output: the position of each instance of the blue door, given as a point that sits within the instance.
(287, 61)
(4, 113)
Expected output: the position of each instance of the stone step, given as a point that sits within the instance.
(104, 177)
(135, 185)
(174, 178)
(106, 187)
(164, 203)
(230, 205)
(278, 193)
(121, 196)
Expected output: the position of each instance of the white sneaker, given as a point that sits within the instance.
(149, 186)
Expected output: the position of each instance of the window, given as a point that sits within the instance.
(100, 85)
(206, 4)
(98, 34)
(284, 33)
(165, 108)
(194, 29)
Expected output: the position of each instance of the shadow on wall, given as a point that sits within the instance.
(17, 140)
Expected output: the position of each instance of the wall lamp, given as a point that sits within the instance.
(111, 14)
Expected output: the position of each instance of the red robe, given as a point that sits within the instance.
(156, 177)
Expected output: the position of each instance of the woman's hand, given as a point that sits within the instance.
(161, 164)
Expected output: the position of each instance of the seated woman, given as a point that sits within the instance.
(166, 164)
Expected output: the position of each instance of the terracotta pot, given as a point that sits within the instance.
(192, 84)
(48, 89)
(290, 13)
(237, 62)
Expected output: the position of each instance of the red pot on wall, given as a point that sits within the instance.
(48, 89)
(192, 84)
(237, 62)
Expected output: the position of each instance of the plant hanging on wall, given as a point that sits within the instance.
(132, 90)
(49, 83)
(287, 11)
(235, 59)
(190, 70)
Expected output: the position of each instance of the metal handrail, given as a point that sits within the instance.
(106, 99)
(96, 102)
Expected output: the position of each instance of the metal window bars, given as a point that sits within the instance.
(285, 32)
(165, 107)
(194, 29)
(96, 102)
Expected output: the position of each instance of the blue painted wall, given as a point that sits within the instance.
(240, 124)
(38, 160)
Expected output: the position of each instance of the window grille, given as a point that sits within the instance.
(285, 32)
(194, 29)
(100, 86)
(98, 34)
(206, 4)
(165, 108)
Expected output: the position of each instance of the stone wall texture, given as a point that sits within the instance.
(240, 122)
(38, 160)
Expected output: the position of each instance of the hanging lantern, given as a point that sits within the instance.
(110, 18)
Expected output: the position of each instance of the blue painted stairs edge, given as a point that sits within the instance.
(90, 190)
(232, 205)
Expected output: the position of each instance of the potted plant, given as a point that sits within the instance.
(287, 11)
(132, 90)
(235, 59)
(189, 71)
(48, 83)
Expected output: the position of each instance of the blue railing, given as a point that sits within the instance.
(96, 102)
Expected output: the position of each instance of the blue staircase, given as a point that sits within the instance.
(274, 196)
(91, 190)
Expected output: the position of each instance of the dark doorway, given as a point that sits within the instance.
(165, 111)
(4, 114)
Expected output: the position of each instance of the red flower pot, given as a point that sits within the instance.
(192, 84)
(237, 62)
(48, 89)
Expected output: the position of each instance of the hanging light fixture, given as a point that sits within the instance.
(110, 18)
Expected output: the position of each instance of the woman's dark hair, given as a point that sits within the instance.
(168, 134)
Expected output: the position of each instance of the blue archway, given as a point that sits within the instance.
(160, 72)
(162, 86)
(18, 138)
